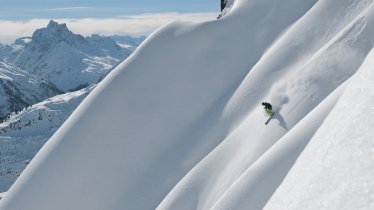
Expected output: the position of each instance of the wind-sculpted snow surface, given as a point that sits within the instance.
(179, 124)
(336, 169)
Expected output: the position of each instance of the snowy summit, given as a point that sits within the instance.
(55, 54)
(179, 124)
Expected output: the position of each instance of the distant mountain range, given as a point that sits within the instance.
(54, 61)
(43, 79)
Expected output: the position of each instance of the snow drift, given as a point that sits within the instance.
(178, 125)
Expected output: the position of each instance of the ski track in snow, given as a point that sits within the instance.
(179, 125)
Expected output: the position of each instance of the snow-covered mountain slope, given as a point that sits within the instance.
(24, 133)
(336, 169)
(56, 54)
(179, 125)
(19, 89)
(4, 51)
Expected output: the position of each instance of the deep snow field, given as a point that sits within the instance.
(179, 125)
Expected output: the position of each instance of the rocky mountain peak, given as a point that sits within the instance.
(54, 33)
(52, 25)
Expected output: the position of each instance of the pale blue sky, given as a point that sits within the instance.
(53, 9)
(20, 18)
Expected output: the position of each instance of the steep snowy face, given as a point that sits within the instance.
(56, 54)
(179, 124)
(336, 169)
